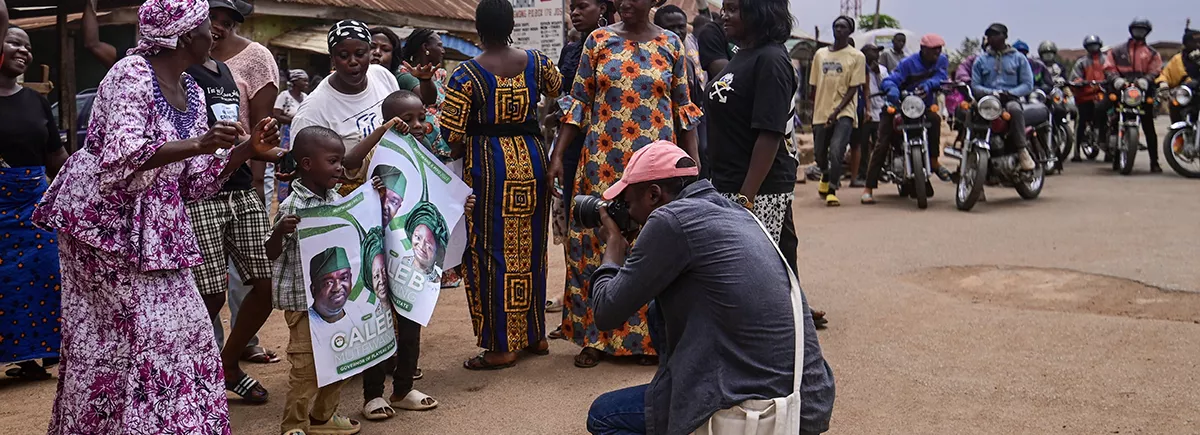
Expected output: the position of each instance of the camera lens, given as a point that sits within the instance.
(587, 211)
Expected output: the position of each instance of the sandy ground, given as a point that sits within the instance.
(1041, 316)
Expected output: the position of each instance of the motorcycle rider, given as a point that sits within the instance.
(1183, 68)
(1048, 54)
(1089, 101)
(1041, 80)
(1136, 59)
(1000, 69)
(922, 74)
(963, 75)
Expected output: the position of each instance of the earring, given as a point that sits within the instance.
(426, 52)
(602, 22)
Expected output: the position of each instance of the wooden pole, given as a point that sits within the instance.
(66, 80)
(877, 14)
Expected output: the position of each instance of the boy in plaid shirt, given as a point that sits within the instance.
(318, 152)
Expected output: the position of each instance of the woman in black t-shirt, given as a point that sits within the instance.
(749, 110)
(30, 149)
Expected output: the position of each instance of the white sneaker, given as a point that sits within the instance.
(1026, 159)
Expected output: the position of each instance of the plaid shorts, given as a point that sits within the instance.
(230, 225)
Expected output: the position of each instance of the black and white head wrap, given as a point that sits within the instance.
(348, 29)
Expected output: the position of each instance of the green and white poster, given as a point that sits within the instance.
(422, 203)
(342, 252)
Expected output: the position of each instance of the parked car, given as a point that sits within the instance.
(83, 104)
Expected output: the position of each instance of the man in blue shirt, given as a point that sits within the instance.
(1001, 69)
(921, 74)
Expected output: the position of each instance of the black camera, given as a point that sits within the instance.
(587, 212)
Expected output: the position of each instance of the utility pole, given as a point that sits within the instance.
(876, 14)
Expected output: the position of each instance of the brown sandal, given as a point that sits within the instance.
(541, 348)
(588, 358)
(480, 363)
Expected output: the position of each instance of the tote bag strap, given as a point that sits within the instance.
(797, 308)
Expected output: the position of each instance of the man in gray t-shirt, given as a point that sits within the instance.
(724, 295)
(891, 58)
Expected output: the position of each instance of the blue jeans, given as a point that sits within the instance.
(621, 412)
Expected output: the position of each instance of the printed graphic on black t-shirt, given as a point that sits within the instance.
(222, 102)
(755, 92)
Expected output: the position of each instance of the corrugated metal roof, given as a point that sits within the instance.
(315, 40)
(455, 9)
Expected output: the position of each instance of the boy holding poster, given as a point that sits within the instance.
(406, 113)
(318, 152)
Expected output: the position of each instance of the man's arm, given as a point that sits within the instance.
(977, 85)
(102, 51)
(660, 256)
(1024, 78)
(3, 18)
(940, 75)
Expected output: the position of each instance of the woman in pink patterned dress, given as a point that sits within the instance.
(138, 354)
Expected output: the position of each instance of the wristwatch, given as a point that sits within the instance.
(744, 201)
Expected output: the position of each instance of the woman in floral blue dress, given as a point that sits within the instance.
(630, 90)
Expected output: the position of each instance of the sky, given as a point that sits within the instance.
(1033, 21)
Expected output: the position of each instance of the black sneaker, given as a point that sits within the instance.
(1155, 169)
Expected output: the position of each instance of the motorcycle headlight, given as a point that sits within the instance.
(1119, 83)
(1143, 84)
(990, 108)
(912, 107)
(1038, 96)
(1131, 97)
(1182, 95)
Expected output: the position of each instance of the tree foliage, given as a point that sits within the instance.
(867, 22)
(968, 47)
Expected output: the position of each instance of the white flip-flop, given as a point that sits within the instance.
(378, 409)
(413, 402)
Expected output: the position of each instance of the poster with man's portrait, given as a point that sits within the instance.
(421, 203)
(345, 273)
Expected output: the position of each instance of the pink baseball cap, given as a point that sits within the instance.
(932, 40)
(656, 161)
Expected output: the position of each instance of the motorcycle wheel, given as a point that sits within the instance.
(919, 177)
(1064, 142)
(1128, 151)
(1032, 188)
(1177, 161)
(972, 178)
(1090, 145)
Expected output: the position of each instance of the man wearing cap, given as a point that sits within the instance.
(1183, 68)
(1133, 60)
(329, 273)
(1000, 69)
(921, 74)
(393, 182)
(723, 292)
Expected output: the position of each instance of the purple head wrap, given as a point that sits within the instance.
(162, 22)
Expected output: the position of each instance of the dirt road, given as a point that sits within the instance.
(1038, 316)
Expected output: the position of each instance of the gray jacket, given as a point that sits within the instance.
(724, 294)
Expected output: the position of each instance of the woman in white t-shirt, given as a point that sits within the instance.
(287, 103)
(348, 101)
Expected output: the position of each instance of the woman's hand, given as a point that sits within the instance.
(556, 173)
(421, 72)
(469, 206)
(222, 135)
(265, 136)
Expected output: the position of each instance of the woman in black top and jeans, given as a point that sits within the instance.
(30, 150)
(749, 109)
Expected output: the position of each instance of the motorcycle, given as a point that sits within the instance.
(1062, 107)
(1128, 97)
(1182, 144)
(907, 163)
(1091, 143)
(988, 159)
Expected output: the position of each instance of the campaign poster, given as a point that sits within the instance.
(342, 253)
(539, 25)
(422, 202)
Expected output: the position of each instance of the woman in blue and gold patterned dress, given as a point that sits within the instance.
(630, 90)
(490, 113)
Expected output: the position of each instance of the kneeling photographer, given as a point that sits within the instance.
(726, 297)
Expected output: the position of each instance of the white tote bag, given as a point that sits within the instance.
(778, 416)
